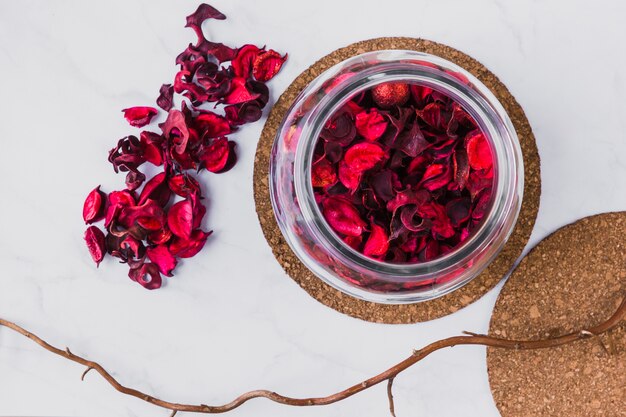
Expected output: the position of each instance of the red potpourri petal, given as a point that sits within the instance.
(323, 174)
(147, 275)
(95, 243)
(166, 97)
(363, 156)
(342, 216)
(180, 219)
(94, 206)
(370, 124)
(377, 243)
(267, 64)
(139, 116)
(161, 256)
(478, 151)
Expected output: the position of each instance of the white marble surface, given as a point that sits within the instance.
(231, 320)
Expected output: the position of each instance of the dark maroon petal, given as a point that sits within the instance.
(267, 64)
(482, 204)
(139, 116)
(370, 124)
(403, 198)
(461, 168)
(161, 256)
(202, 13)
(238, 114)
(353, 241)
(340, 128)
(342, 216)
(377, 243)
(412, 141)
(94, 237)
(435, 116)
(458, 211)
(147, 275)
(166, 97)
(94, 206)
(410, 220)
(383, 184)
(134, 179)
(420, 94)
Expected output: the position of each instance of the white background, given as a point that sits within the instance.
(231, 320)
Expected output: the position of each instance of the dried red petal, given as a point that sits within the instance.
(184, 185)
(180, 219)
(478, 151)
(267, 64)
(186, 248)
(161, 256)
(166, 97)
(202, 13)
(323, 174)
(349, 177)
(94, 237)
(242, 63)
(147, 275)
(151, 144)
(377, 243)
(342, 216)
(156, 189)
(436, 176)
(216, 156)
(212, 125)
(370, 124)
(94, 206)
(139, 116)
(363, 156)
(175, 129)
(239, 92)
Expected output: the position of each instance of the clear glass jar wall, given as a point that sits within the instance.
(304, 227)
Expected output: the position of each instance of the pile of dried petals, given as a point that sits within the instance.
(402, 173)
(145, 229)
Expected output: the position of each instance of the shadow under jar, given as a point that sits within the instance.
(321, 249)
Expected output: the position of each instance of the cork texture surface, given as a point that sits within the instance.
(573, 279)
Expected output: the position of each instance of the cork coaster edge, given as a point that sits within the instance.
(411, 313)
(518, 380)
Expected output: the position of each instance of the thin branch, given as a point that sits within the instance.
(82, 377)
(390, 373)
(390, 397)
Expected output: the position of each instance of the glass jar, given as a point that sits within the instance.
(300, 218)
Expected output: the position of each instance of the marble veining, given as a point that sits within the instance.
(230, 320)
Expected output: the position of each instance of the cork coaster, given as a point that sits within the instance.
(410, 313)
(572, 280)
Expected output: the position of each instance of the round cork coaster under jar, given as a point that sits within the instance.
(405, 313)
(572, 280)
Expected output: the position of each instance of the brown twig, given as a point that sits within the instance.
(392, 408)
(387, 375)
